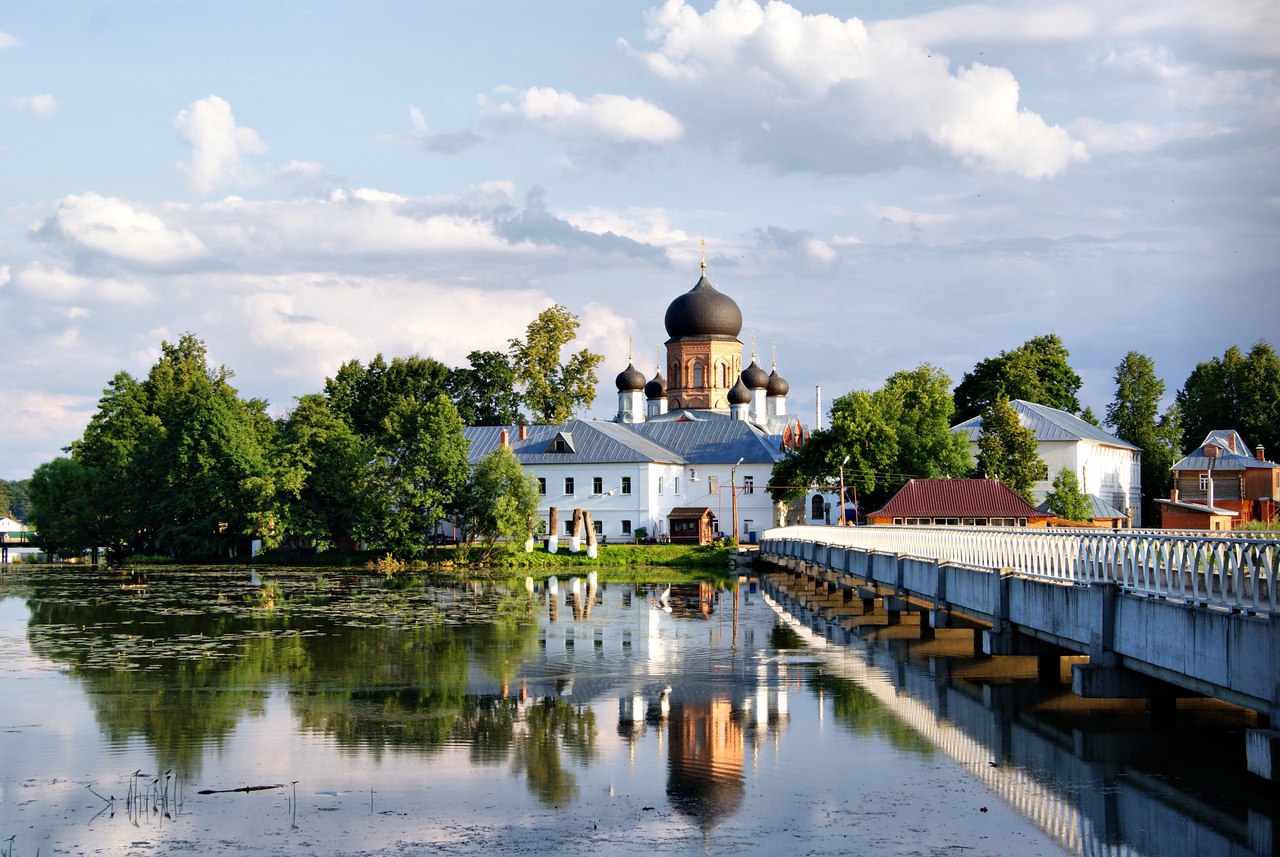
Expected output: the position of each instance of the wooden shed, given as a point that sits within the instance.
(692, 525)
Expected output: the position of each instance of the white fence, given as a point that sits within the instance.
(1226, 571)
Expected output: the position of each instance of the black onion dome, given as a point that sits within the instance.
(739, 394)
(656, 388)
(778, 385)
(630, 380)
(703, 311)
(753, 376)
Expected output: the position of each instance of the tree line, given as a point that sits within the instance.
(178, 464)
(885, 437)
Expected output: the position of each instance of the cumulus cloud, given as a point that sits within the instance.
(818, 93)
(105, 226)
(601, 118)
(219, 147)
(53, 284)
(39, 105)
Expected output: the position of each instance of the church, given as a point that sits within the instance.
(686, 458)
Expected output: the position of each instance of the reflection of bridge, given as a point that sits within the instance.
(1091, 801)
(15, 539)
(1159, 616)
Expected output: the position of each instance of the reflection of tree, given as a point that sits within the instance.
(550, 725)
(859, 711)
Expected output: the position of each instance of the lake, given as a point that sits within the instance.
(203, 711)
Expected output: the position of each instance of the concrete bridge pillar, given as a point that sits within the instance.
(1000, 639)
(1262, 746)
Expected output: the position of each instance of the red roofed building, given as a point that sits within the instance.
(958, 503)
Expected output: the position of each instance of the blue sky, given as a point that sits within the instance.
(879, 185)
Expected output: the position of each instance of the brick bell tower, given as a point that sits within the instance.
(704, 355)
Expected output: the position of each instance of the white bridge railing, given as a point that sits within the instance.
(1228, 571)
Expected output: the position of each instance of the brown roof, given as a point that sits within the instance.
(956, 498)
(690, 512)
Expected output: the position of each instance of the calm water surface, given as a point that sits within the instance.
(136, 709)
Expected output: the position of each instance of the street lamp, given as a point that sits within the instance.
(842, 464)
(733, 491)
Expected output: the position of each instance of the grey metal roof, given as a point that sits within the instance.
(1233, 454)
(593, 443)
(711, 441)
(1098, 508)
(1050, 424)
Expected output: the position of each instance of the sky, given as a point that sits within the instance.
(878, 185)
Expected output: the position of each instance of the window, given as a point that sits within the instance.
(748, 526)
(713, 484)
(1204, 481)
(697, 374)
(659, 484)
(568, 485)
(815, 508)
(897, 521)
(1022, 522)
(568, 528)
(597, 484)
(542, 486)
(626, 485)
(626, 528)
(946, 522)
(676, 489)
(748, 485)
(598, 526)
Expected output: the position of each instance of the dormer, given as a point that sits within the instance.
(562, 442)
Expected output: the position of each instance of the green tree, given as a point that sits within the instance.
(1066, 500)
(1090, 417)
(324, 469)
(206, 467)
(418, 472)
(552, 390)
(14, 500)
(1236, 391)
(484, 392)
(1036, 371)
(498, 502)
(919, 406)
(62, 507)
(365, 395)
(1008, 451)
(1133, 413)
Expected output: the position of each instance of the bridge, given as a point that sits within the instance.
(15, 539)
(1158, 615)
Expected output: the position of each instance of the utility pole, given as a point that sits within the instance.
(733, 489)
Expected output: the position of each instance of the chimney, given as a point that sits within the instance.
(503, 439)
(1173, 493)
(1260, 453)
(524, 432)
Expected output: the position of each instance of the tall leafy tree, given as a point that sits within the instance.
(207, 464)
(14, 499)
(1236, 391)
(324, 470)
(551, 390)
(365, 395)
(1036, 371)
(1066, 500)
(498, 502)
(62, 510)
(919, 406)
(420, 468)
(1134, 415)
(484, 392)
(1008, 451)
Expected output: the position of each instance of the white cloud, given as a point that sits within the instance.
(40, 105)
(915, 220)
(1134, 137)
(601, 118)
(219, 147)
(4, 276)
(55, 285)
(8, 41)
(814, 92)
(111, 227)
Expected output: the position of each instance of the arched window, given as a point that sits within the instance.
(698, 380)
(817, 511)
